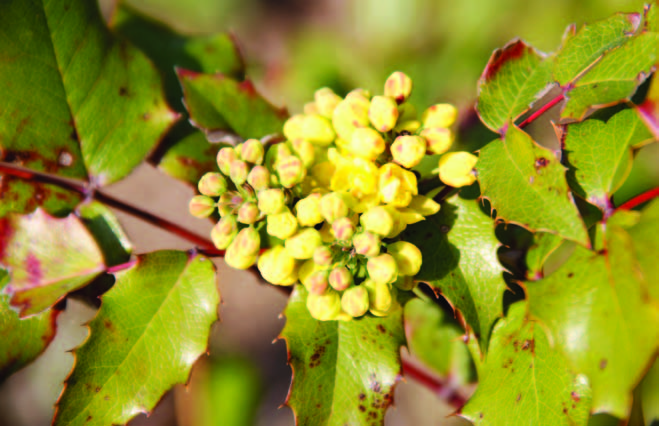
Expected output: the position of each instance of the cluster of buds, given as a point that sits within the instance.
(334, 198)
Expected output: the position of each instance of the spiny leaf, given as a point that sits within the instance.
(190, 158)
(437, 342)
(514, 78)
(526, 185)
(107, 231)
(218, 102)
(22, 339)
(595, 150)
(45, 266)
(460, 260)
(151, 328)
(646, 245)
(650, 394)
(524, 381)
(343, 372)
(596, 304)
(648, 110)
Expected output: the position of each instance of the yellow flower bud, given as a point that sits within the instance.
(248, 213)
(408, 257)
(340, 278)
(398, 86)
(226, 203)
(408, 151)
(397, 185)
(323, 173)
(238, 172)
(305, 150)
(366, 143)
(379, 296)
(326, 233)
(439, 139)
(282, 225)
(252, 151)
(201, 206)
(354, 301)
(212, 184)
(278, 267)
(343, 229)
(323, 256)
(383, 113)
(307, 270)
(377, 220)
(291, 171)
(456, 168)
(308, 210)
(410, 126)
(317, 282)
(310, 108)
(349, 114)
(367, 244)
(271, 201)
(303, 244)
(225, 157)
(312, 127)
(382, 268)
(405, 282)
(259, 178)
(247, 242)
(324, 307)
(275, 154)
(238, 261)
(334, 206)
(424, 205)
(355, 175)
(439, 115)
(326, 101)
(224, 232)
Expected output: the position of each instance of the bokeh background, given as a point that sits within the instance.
(293, 47)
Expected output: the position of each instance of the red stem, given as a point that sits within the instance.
(542, 110)
(121, 267)
(639, 199)
(440, 387)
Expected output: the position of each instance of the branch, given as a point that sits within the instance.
(639, 199)
(440, 387)
(542, 110)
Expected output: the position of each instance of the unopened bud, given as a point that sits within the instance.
(252, 151)
(323, 256)
(355, 302)
(312, 127)
(397, 185)
(439, 115)
(439, 139)
(307, 270)
(340, 278)
(282, 225)
(236, 260)
(379, 296)
(456, 169)
(333, 206)
(408, 151)
(271, 201)
(408, 257)
(247, 242)
(248, 213)
(351, 113)
(405, 282)
(275, 154)
(398, 86)
(308, 210)
(224, 232)
(303, 244)
(278, 267)
(383, 113)
(377, 220)
(305, 150)
(343, 229)
(366, 143)
(367, 244)
(259, 178)
(291, 171)
(326, 101)
(238, 172)
(225, 157)
(201, 206)
(324, 307)
(225, 205)
(382, 268)
(317, 283)
(424, 205)
(212, 184)
(310, 108)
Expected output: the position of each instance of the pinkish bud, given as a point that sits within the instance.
(225, 157)
(259, 178)
(248, 213)
(201, 206)
(340, 278)
(238, 172)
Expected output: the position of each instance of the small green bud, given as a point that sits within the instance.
(201, 206)
(225, 157)
(248, 213)
(439, 139)
(367, 244)
(408, 151)
(278, 267)
(355, 302)
(252, 151)
(343, 229)
(291, 171)
(303, 244)
(323, 256)
(366, 143)
(317, 283)
(259, 178)
(439, 115)
(340, 278)
(382, 268)
(238, 172)
(212, 184)
(377, 220)
(282, 225)
(271, 201)
(333, 206)
(405, 282)
(456, 168)
(398, 86)
(408, 257)
(324, 307)
(326, 101)
(224, 232)
(383, 113)
(308, 210)
(379, 296)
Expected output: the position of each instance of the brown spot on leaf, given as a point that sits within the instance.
(575, 397)
(98, 389)
(123, 91)
(518, 397)
(89, 418)
(362, 396)
(362, 408)
(315, 358)
(248, 87)
(541, 163)
(570, 275)
(381, 328)
(500, 57)
(603, 363)
(529, 345)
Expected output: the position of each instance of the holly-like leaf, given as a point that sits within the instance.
(648, 110)
(46, 258)
(151, 328)
(343, 372)
(107, 232)
(596, 304)
(646, 245)
(22, 339)
(514, 78)
(596, 150)
(190, 158)
(524, 381)
(437, 342)
(526, 185)
(460, 260)
(60, 67)
(650, 394)
(218, 102)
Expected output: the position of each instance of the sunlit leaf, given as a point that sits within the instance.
(107, 231)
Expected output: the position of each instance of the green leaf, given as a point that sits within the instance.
(343, 372)
(151, 328)
(595, 150)
(218, 102)
(22, 339)
(190, 158)
(46, 258)
(107, 231)
(437, 342)
(544, 245)
(524, 381)
(648, 110)
(650, 394)
(514, 78)
(646, 245)
(596, 304)
(526, 185)
(460, 260)
(60, 67)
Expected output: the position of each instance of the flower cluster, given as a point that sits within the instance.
(333, 199)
